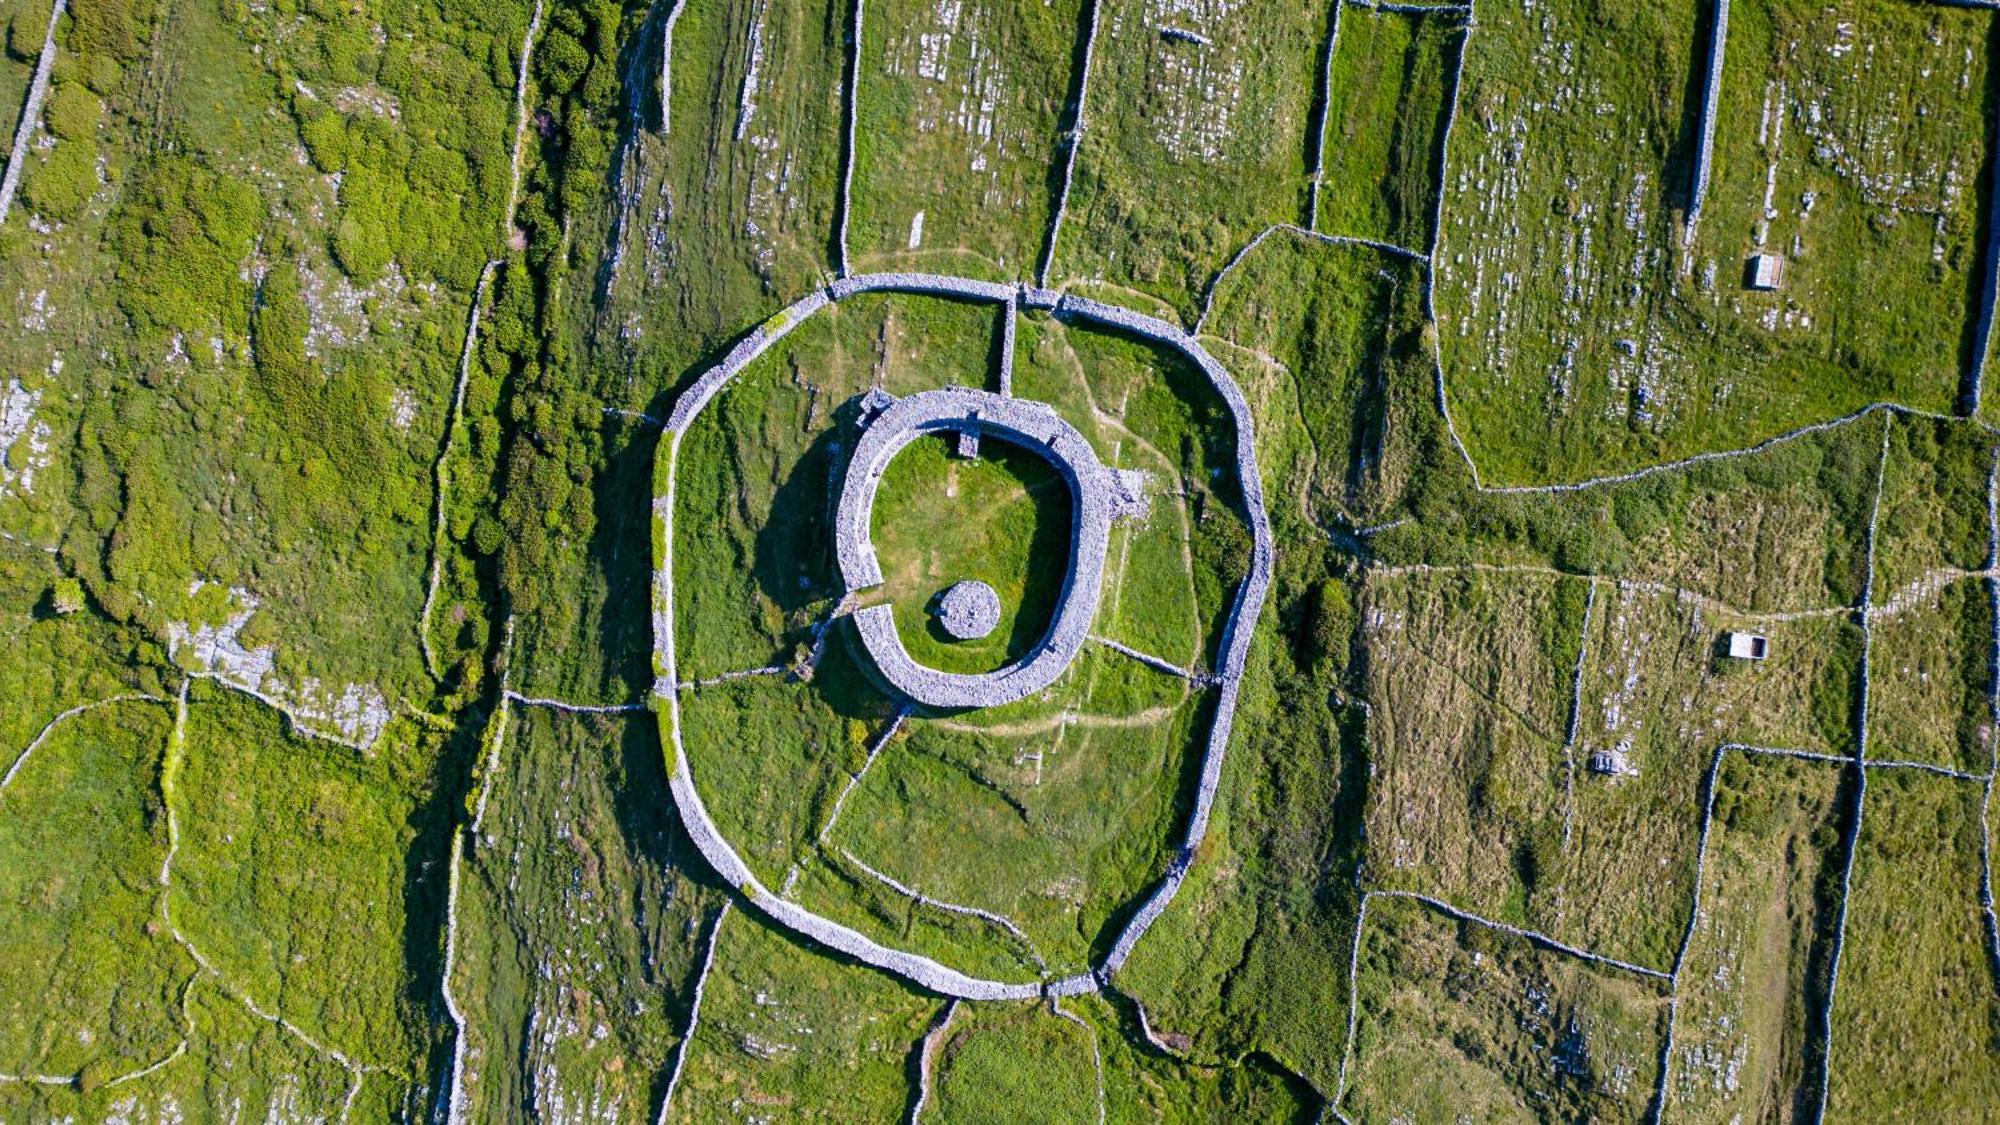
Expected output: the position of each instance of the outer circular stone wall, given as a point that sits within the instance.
(1234, 650)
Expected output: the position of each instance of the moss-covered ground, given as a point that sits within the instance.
(240, 271)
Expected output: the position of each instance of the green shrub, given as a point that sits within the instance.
(66, 596)
(325, 134)
(64, 183)
(73, 112)
(102, 27)
(361, 249)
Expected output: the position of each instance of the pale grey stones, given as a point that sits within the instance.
(1094, 501)
(969, 610)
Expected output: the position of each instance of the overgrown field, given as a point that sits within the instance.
(1454, 1018)
(1189, 148)
(1589, 326)
(1747, 1035)
(332, 786)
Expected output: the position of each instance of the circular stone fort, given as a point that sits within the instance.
(1097, 496)
(969, 609)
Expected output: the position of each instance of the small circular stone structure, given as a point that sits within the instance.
(969, 610)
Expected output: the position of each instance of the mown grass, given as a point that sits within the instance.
(1390, 91)
(1188, 150)
(1746, 1038)
(1458, 1019)
(959, 123)
(1003, 518)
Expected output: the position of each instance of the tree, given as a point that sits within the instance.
(66, 596)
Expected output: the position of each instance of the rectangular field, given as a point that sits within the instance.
(1746, 1039)
(1469, 682)
(957, 147)
(1191, 145)
(1600, 332)
(1458, 1021)
(1851, 139)
(1915, 1005)
(1930, 669)
(1658, 698)
(1390, 92)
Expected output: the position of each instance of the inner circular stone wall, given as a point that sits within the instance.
(969, 610)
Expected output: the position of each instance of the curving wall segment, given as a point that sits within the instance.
(922, 971)
(1032, 426)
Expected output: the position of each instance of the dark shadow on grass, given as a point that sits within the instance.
(1983, 282)
(1682, 158)
(792, 557)
(911, 514)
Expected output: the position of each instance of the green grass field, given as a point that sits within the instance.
(958, 135)
(1391, 90)
(1002, 518)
